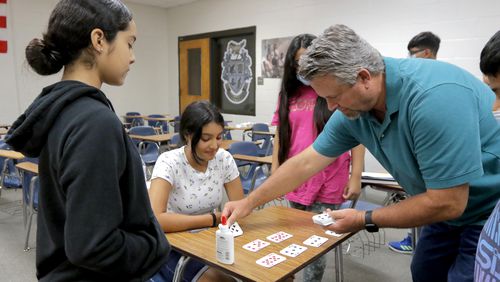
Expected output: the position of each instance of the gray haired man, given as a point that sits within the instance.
(445, 152)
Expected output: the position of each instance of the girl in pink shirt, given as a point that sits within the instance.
(300, 116)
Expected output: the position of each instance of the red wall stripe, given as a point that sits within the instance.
(3, 1)
(3, 22)
(3, 46)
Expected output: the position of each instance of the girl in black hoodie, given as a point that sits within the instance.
(95, 222)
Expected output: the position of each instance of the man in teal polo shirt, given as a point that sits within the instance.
(428, 123)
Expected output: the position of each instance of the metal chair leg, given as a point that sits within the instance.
(26, 247)
(339, 268)
(179, 268)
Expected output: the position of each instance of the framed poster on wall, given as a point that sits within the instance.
(227, 68)
(237, 74)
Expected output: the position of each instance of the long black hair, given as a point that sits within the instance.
(195, 116)
(69, 29)
(289, 86)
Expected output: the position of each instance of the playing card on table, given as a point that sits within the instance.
(270, 260)
(279, 236)
(331, 233)
(236, 229)
(322, 219)
(315, 241)
(293, 250)
(256, 245)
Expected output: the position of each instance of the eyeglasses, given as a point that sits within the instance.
(413, 53)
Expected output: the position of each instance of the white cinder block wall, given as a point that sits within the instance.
(146, 85)
(152, 84)
(464, 27)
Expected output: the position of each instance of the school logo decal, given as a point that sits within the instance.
(236, 72)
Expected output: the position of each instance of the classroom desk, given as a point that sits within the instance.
(131, 117)
(259, 225)
(3, 131)
(260, 160)
(385, 182)
(167, 119)
(158, 138)
(28, 166)
(264, 133)
(244, 128)
(226, 143)
(7, 154)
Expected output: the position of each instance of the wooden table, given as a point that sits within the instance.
(130, 117)
(158, 138)
(381, 181)
(6, 126)
(244, 128)
(261, 160)
(385, 182)
(3, 131)
(264, 133)
(7, 154)
(167, 119)
(28, 166)
(259, 225)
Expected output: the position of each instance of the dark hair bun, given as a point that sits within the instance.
(42, 58)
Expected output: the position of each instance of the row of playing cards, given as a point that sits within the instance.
(273, 259)
(292, 250)
(258, 244)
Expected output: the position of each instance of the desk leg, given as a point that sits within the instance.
(339, 264)
(2, 174)
(179, 268)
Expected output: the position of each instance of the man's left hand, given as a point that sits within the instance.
(346, 220)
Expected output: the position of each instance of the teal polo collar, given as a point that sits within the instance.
(393, 84)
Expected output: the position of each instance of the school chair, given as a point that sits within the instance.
(251, 173)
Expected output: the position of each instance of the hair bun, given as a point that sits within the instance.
(42, 58)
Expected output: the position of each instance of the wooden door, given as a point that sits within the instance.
(194, 71)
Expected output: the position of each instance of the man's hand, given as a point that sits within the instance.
(346, 220)
(236, 209)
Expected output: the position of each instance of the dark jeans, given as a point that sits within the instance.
(445, 253)
(166, 273)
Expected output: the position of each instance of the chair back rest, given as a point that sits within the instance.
(260, 127)
(158, 123)
(142, 130)
(27, 179)
(267, 145)
(244, 148)
(134, 121)
(177, 123)
(227, 133)
(176, 140)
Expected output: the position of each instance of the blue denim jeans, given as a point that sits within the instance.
(445, 253)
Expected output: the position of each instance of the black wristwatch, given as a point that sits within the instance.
(369, 225)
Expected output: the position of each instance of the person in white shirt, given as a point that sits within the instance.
(188, 183)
